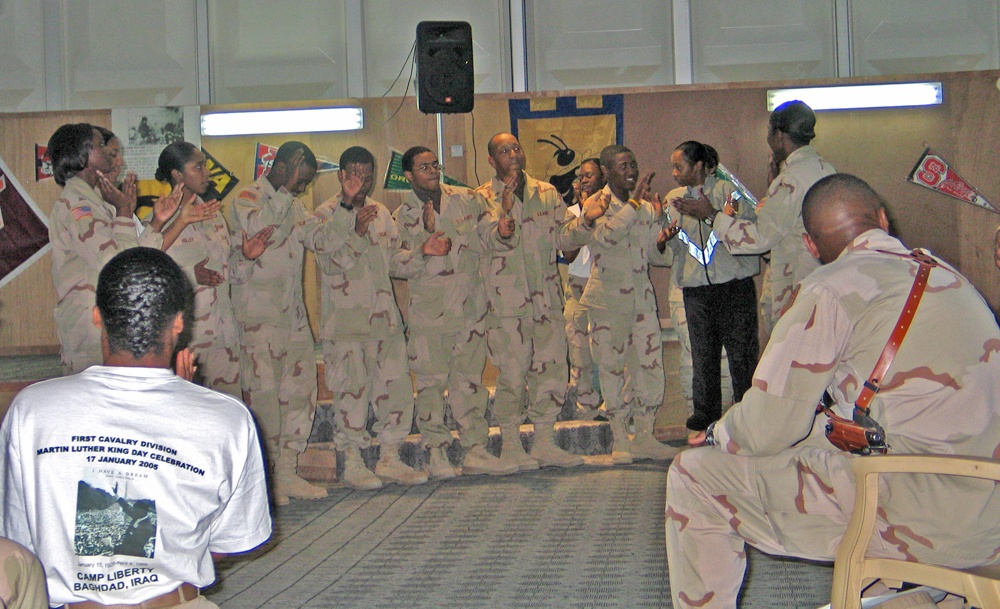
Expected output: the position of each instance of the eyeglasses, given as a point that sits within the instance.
(428, 167)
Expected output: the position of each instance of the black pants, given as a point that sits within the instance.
(723, 315)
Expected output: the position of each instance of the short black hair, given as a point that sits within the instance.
(796, 119)
(139, 294)
(609, 153)
(410, 154)
(69, 148)
(286, 150)
(357, 155)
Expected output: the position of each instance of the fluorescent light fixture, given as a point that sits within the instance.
(310, 120)
(849, 97)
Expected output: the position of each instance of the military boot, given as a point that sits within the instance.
(620, 445)
(512, 452)
(288, 484)
(479, 461)
(390, 469)
(438, 466)
(356, 473)
(547, 452)
(645, 445)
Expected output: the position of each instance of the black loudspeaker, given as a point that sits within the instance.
(445, 78)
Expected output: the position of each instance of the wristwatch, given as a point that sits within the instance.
(710, 434)
(709, 220)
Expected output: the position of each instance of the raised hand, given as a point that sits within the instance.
(505, 226)
(595, 207)
(165, 207)
(124, 202)
(700, 207)
(430, 223)
(191, 213)
(206, 276)
(351, 186)
(507, 196)
(293, 169)
(184, 365)
(366, 215)
(642, 189)
(254, 246)
(436, 245)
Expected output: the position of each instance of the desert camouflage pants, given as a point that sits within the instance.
(80, 342)
(628, 351)
(372, 372)
(796, 503)
(219, 369)
(452, 363)
(581, 363)
(22, 581)
(531, 357)
(278, 373)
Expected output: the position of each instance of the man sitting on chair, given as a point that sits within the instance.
(769, 476)
(125, 479)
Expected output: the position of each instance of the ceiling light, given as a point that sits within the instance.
(848, 97)
(311, 120)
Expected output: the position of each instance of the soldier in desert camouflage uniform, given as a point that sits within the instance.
(91, 221)
(625, 234)
(364, 346)
(525, 330)
(22, 580)
(773, 480)
(203, 252)
(277, 350)
(778, 227)
(446, 325)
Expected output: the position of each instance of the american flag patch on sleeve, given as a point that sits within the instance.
(79, 213)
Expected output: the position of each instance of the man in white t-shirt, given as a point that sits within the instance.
(126, 479)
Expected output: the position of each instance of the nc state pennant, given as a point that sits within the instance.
(931, 171)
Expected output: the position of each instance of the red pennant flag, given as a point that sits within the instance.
(263, 160)
(43, 165)
(24, 231)
(931, 171)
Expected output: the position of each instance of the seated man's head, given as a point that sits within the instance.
(143, 299)
(836, 210)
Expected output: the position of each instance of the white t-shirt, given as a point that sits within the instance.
(580, 267)
(123, 480)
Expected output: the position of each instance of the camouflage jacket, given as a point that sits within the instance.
(623, 245)
(446, 292)
(358, 301)
(939, 395)
(214, 324)
(85, 234)
(778, 227)
(273, 294)
(520, 273)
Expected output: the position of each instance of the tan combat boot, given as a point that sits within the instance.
(390, 469)
(645, 445)
(512, 451)
(547, 452)
(620, 446)
(479, 461)
(356, 473)
(438, 466)
(288, 484)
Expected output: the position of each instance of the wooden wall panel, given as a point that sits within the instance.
(880, 146)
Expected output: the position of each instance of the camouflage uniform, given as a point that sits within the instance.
(446, 324)
(778, 228)
(624, 327)
(581, 363)
(215, 340)
(765, 485)
(719, 302)
(85, 233)
(22, 580)
(277, 350)
(526, 328)
(362, 332)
